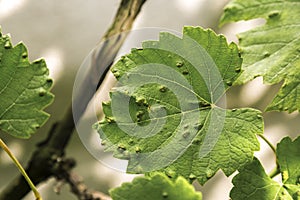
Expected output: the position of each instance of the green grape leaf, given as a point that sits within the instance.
(158, 187)
(288, 155)
(253, 183)
(271, 50)
(24, 90)
(166, 115)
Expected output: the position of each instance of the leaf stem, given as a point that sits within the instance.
(21, 169)
(268, 142)
(274, 172)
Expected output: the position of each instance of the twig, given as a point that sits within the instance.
(79, 189)
(43, 161)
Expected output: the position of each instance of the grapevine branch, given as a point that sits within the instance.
(45, 161)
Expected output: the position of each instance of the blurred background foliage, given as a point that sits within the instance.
(64, 32)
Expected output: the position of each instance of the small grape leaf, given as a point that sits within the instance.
(271, 50)
(164, 113)
(288, 155)
(24, 90)
(253, 183)
(158, 187)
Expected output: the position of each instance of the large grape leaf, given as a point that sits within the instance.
(158, 187)
(24, 90)
(164, 114)
(271, 50)
(252, 182)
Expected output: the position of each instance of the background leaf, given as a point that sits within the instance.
(158, 187)
(24, 90)
(164, 114)
(271, 50)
